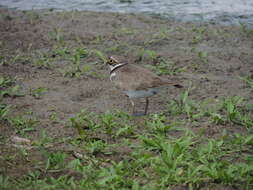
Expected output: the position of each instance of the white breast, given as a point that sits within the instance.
(112, 76)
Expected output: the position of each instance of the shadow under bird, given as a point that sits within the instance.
(136, 82)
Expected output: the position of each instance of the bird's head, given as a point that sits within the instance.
(112, 61)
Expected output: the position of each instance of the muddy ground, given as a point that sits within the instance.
(209, 58)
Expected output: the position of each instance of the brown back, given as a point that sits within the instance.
(133, 77)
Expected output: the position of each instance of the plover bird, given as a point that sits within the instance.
(135, 81)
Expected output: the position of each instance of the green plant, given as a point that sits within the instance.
(4, 182)
(81, 51)
(2, 59)
(108, 122)
(23, 124)
(217, 118)
(24, 153)
(151, 54)
(55, 160)
(32, 16)
(198, 34)
(94, 147)
(4, 110)
(125, 131)
(246, 30)
(184, 105)
(248, 80)
(44, 140)
(98, 39)
(43, 61)
(99, 54)
(158, 37)
(81, 122)
(7, 88)
(234, 114)
(163, 34)
(56, 35)
(20, 58)
(158, 124)
(38, 92)
(11, 92)
(76, 69)
(54, 118)
(6, 82)
(76, 165)
(119, 48)
(58, 50)
(165, 67)
(203, 57)
(127, 31)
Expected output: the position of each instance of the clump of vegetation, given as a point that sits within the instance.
(166, 67)
(158, 159)
(4, 110)
(38, 92)
(227, 110)
(203, 56)
(8, 87)
(248, 80)
(245, 29)
(199, 33)
(150, 54)
(23, 123)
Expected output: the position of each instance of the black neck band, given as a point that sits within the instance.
(118, 66)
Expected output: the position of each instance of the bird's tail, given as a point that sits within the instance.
(178, 85)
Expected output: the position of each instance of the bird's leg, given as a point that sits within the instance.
(146, 107)
(133, 112)
(132, 102)
(140, 113)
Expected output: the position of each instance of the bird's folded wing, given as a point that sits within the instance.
(137, 78)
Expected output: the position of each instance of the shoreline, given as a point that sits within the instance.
(222, 20)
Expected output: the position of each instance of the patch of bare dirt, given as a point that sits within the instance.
(229, 55)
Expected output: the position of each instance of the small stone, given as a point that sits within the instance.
(20, 140)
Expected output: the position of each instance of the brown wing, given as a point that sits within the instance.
(132, 77)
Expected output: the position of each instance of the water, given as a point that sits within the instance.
(217, 11)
